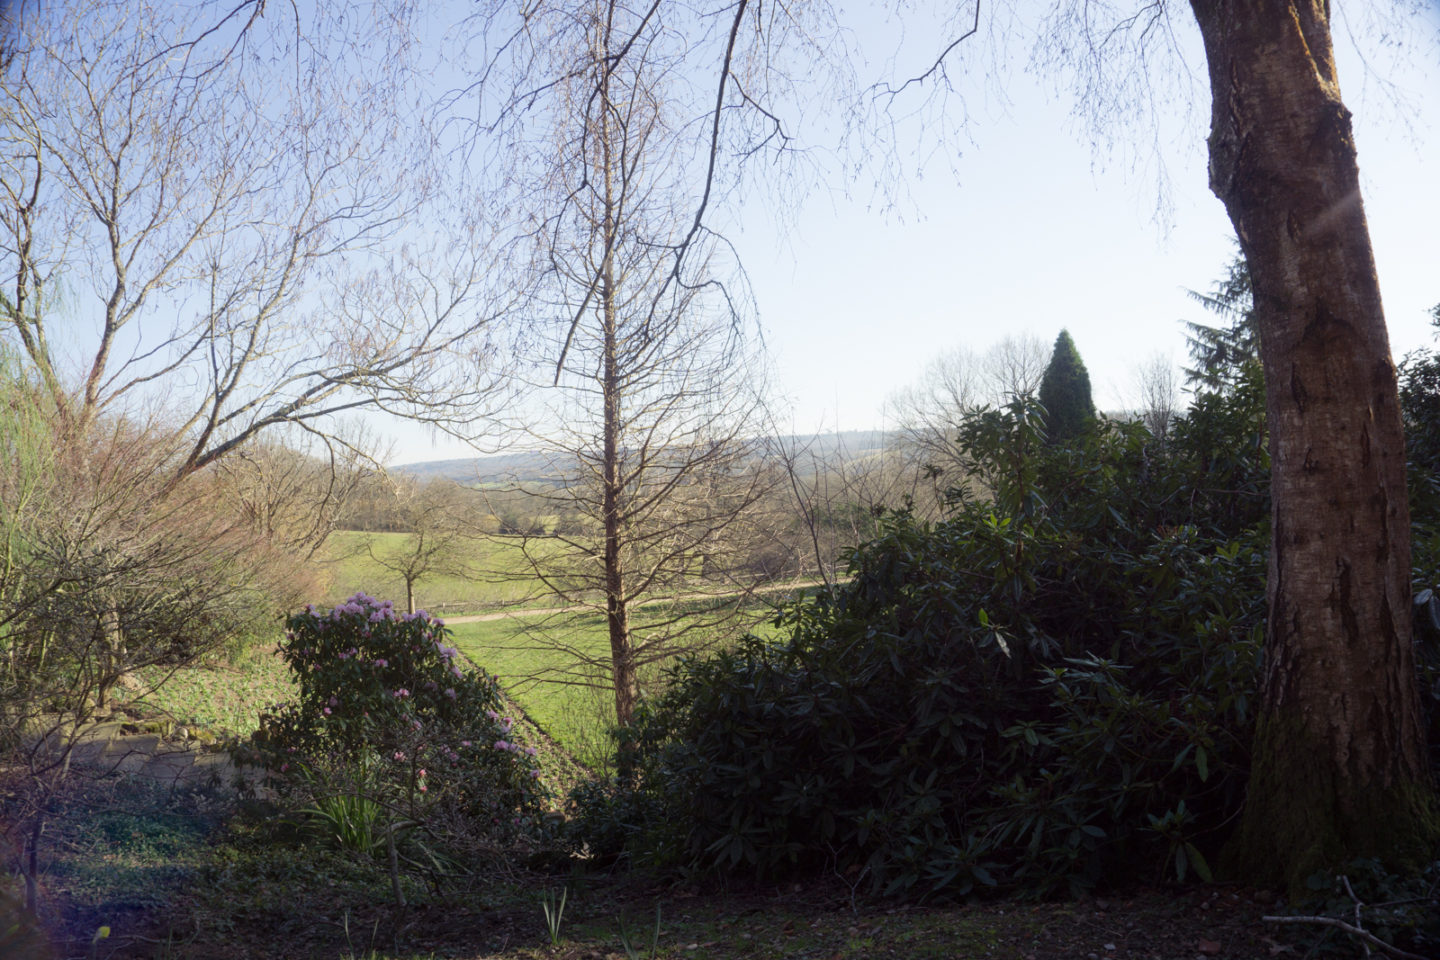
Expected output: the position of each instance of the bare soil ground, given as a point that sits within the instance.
(286, 903)
(814, 922)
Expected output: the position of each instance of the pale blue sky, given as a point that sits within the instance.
(1029, 230)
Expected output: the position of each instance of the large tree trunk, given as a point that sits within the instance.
(1339, 767)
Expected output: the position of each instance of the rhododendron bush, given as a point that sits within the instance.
(390, 711)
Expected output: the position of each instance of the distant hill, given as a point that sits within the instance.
(543, 466)
(528, 467)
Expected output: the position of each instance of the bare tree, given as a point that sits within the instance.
(1013, 368)
(929, 413)
(837, 492)
(434, 539)
(653, 404)
(294, 496)
(215, 203)
(1158, 384)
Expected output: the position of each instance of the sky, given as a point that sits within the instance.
(1025, 228)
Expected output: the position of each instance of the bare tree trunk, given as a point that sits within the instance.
(111, 643)
(1339, 765)
(32, 866)
(617, 611)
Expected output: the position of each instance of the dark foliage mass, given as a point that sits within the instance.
(1420, 406)
(1065, 393)
(1051, 689)
(1052, 684)
(393, 733)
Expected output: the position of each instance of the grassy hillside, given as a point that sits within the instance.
(529, 655)
(574, 715)
(494, 575)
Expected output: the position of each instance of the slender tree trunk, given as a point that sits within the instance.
(111, 648)
(31, 866)
(617, 610)
(1338, 768)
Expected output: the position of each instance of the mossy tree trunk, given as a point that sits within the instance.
(1339, 766)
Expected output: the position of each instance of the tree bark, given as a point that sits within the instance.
(1338, 767)
(617, 607)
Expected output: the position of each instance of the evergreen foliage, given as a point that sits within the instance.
(1037, 693)
(1227, 357)
(1420, 405)
(1065, 393)
(1419, 375)
(1051, 689)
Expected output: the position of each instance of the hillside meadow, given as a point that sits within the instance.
(482, 575)
(530, 653)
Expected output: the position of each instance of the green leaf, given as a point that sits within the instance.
(1202, 869)
(1202, 764)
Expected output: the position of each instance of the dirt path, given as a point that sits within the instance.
(582, 608)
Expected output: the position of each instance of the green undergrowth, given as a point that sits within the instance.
(224, 697)
(117, 852)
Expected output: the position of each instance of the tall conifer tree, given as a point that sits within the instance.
(1065, 392)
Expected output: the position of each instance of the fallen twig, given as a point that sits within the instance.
(1352, 930)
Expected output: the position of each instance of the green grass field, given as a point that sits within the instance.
(528, 655)
(495, 575)
(574, 715)
(527, 652)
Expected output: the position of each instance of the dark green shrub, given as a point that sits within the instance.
(1052, 688)
(1065, 393)
(1050, 685)
(392, 723)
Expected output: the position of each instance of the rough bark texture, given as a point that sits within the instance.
(1339, 766)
